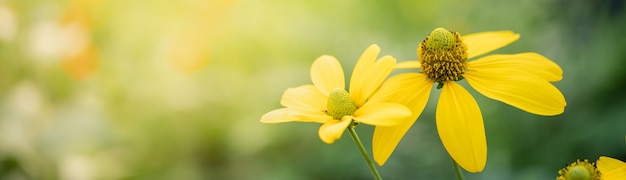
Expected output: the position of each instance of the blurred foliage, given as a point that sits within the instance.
(94, 89)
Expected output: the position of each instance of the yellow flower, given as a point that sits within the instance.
(579, 170)
(520, 80)
(611, 169)
(327, 101)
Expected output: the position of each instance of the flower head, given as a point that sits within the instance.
(579, 170)
(443, 56)
(327, 101)
(521, 80)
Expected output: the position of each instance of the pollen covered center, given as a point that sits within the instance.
(443, 55)
(340, 104)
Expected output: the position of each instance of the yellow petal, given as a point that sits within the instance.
(333, 129)
(304, 97)
(279, 116)
(529, 62)
(327, 74)
(291, 115)
(409, 65)
(460, 127)
(517, 88)
(484, 42)
(607, 164)
(409, 89)
(368, 74)
(611, 169)
(382, 114)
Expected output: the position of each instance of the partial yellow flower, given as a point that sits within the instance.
(611, 169)
(327, 101)
(579, 170)
(520, 80)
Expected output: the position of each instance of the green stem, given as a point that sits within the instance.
(369, 162)
(457, 169)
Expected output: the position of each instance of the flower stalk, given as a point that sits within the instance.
(457, 170)
(358, 143)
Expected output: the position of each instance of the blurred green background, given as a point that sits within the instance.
(114, 89)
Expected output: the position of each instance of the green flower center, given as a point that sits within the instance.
(443, 56)
(340, 104)
(578, 173)
(579, 170)
(440, 39)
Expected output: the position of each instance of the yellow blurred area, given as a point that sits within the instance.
(80, 55)
(105, 90)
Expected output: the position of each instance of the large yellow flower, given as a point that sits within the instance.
(611, 169)
(520, 80)
(327, 101)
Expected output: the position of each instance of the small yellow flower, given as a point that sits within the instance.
(327, 101)
(520, 80)
(611, 169)
(579, 170)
